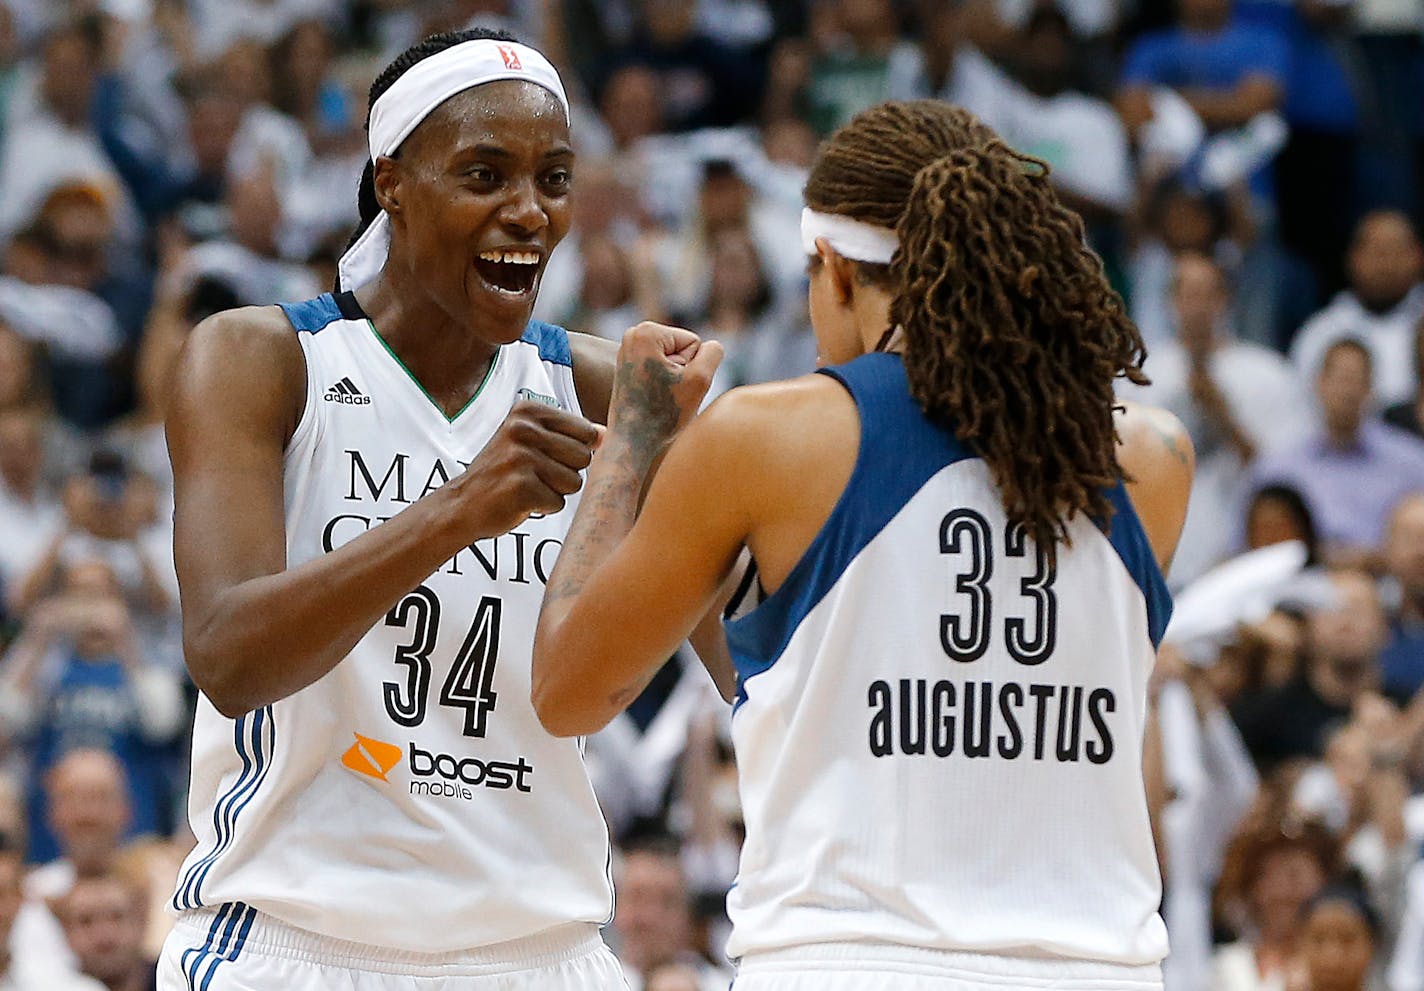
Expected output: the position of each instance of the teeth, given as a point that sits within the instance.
(511, 257)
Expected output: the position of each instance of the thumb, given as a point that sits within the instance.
(705, 361)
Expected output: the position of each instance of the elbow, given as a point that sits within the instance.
(218, 678)
(560, 712)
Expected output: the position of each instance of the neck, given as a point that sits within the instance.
(872, 314)
(443, 353)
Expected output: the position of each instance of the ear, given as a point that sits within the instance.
(387, 177)
(840, 271)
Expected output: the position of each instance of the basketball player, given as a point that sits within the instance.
(368, 496)
(940, 709)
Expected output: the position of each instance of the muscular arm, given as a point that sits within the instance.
(254, 630)
(1156, 455)
(594, 361)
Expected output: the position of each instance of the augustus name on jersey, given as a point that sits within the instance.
(409, 798)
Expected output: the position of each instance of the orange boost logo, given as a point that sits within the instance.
(510, 56)
(372, 758)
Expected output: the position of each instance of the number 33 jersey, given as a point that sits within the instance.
(408, 799)
(938, 729)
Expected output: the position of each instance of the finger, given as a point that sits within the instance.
(602, 433)
(705, 361)
(559, 479)
(565, 450)
(560, 421)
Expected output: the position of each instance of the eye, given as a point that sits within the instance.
(559, 178)
(481, 174)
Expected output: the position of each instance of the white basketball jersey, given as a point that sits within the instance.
(408, 799)
(938, 732)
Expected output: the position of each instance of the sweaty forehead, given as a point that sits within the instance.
(507, 112)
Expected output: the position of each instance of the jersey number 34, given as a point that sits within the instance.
(469, 684)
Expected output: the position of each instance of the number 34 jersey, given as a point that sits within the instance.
(939, 730)
(408, 799)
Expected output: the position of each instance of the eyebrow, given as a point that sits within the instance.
(504, 154)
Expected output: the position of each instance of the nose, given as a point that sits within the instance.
(523, 212)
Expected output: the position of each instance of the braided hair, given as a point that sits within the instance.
(367, 206)
(1012, 335)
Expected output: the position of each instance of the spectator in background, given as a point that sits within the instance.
(1381, 308)
(1277, 513)
(1402, 660)
(1226, 71)
(103, 919)
(1268, 880)
(701, 82)
(653, 924)
(1049, 116)
(1236, 399)
(1339, 935)
(29, 509)
(50, 136)
(1409, 414)
(617, 289)
(1343, 641)
(945, 65)
(23, 965)
(854, 60)
(75, 679)
(1352, 469)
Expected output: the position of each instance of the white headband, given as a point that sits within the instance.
(413, 97)
(853, 239)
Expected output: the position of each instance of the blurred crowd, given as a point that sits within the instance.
(1251, 171)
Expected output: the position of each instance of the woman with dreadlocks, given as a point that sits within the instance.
(369, 489)
(959, 541)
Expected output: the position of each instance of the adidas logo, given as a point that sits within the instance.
(373, 758)
(346, 392)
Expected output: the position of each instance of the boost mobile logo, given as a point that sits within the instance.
(371, 757)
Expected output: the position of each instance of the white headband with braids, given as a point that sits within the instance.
(412, 98)
(853, 239)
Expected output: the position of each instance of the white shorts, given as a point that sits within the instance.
(860, 967)
(235, 948)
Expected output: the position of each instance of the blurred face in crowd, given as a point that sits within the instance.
(214, 116)
(104, 922)
(632, 105)
(1343, 388)
(1188, 223)
(600, 200)
(737, 279)
(668, 22)
(307, 58)
(68, 75)
(1404, 550)
(88, 808)
(607, 280)
(1286, 878)
(1338, 947)
(80, 232)
(1205, 15)
(1345, 639)
(100, 623)
(1200, 300)
(255, 211)
(16, 367)
(1271, 520)
(725, 199)
(789, 142)
(866, 18)
(21, 451)
(245, 73)
(653, 921)
(1385, 260)
(1046, 54)
(11, 894)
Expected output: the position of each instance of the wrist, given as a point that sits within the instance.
(629, 452)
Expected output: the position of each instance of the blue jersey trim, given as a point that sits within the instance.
(1129, 539)
(313, 314)
(900, 450)
(255, 737)
(552, 342)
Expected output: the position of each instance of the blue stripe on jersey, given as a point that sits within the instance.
(900, 451)
(552, 342)
(1130, 541)
(313, 314)
(255, 749)
(193, 956)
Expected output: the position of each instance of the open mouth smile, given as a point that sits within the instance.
(510, 273)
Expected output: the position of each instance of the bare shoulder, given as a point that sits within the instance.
(786, 407)
(595, 360)
(253, 347)
(1158, 461)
